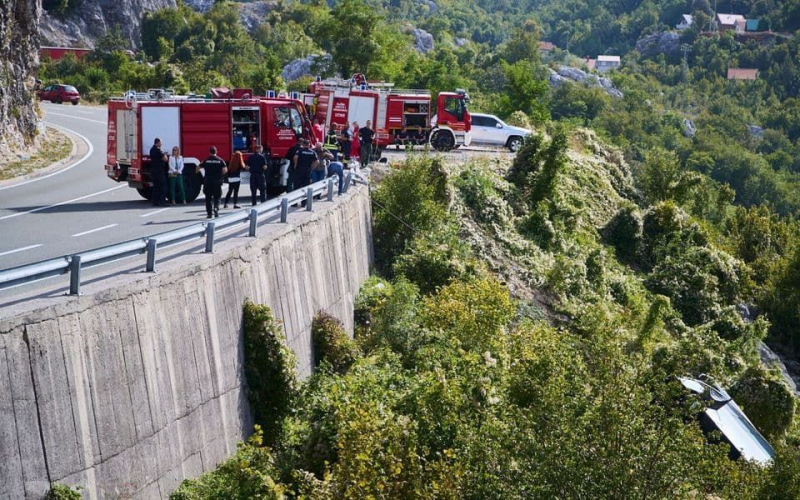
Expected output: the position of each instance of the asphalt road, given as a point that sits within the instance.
(79, 208)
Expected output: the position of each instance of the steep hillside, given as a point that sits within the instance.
(19, 60)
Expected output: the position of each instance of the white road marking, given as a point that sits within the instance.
(20, 249)
(39, 209)
(94, 230)
(156, 212)
(78, 118)
(85, 157)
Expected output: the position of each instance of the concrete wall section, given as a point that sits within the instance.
(139, 384)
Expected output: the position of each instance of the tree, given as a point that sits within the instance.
(524, 92)
(351, 36)
(524, 44)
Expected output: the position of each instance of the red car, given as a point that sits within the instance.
(60, 93)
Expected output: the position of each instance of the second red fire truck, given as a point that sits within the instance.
(398, 116)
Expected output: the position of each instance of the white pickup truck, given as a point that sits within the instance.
(489, 130)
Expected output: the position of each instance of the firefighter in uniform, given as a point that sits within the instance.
(257, 165)
(214, 170)
(305, 160)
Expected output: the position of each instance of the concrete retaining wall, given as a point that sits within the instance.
(139, 384)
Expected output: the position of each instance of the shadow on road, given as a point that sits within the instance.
(97, 206)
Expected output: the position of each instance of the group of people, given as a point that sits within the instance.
(357, 143)
(166, 173)
(306, 165)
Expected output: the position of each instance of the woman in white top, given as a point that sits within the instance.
(175, 175)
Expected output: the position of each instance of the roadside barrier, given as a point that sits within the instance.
(149, 245)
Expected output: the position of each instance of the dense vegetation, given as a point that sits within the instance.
(567, 389)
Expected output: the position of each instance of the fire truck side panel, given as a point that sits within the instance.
(206, 125)
(163, 122)
(283, 122)
(340, 111)
(111, 140)
(126, 136)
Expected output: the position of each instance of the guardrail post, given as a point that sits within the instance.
(210, 237)
(330, 188)
(75, 275)
(309, 199)
(284, 210)
(152, 244)
(253, 222)
(347, 181)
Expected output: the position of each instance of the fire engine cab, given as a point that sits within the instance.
(398, 116)
(230, 120)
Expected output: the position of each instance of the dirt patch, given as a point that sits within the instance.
(55, 146)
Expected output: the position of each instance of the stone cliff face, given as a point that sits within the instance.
(93, 18)
(19, 61)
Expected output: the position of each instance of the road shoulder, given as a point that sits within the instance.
(80, 149)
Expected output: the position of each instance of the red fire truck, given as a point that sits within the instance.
(231, 121)
(397, 116)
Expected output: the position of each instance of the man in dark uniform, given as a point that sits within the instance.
(345, 139)
(304, 162)
(214, 169)
(290, 156)
(257, 165)
(158, 174)
(366, 135)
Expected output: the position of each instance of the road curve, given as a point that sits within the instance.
(80, 208)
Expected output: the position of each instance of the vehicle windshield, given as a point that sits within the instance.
(70, 88)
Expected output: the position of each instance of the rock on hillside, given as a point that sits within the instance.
(93, 18)
(254, 14)
(570, 74)
(19, 62)
(423, 41)
(659, 43)
(304, 67)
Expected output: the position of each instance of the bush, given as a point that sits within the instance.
(269, 365)
(435, 258)
(474, 312)
(624, 233)
(246, 475)
(767, 401)
(332, 344)
(62, 492)
(409, 202)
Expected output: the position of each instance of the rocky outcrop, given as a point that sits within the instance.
(659, 43)
(253, 14)
(81, 26)
(304, 67)
(423, 41)
(570, 74)
(200, 5)
(19, 62)
(689, 128)
(755, 131)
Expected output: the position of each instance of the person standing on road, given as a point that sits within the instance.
(234, 181)
(304, 162)
(318, 172)
(213, 169)
(158, 174)
(319, 132)
(257, 166)
(355, 151)
(175, 176)
(365, 138)
(345, 142)
(335, 167)
(290, 156)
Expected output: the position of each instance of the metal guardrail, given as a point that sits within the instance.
(149, 245)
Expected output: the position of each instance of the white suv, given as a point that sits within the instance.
(490, 130)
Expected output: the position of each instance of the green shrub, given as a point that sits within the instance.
(59, 491)
(332, 344)
(766, 400)
(409, 202)
(624, 233)
(474, 312)
(435, 258)
(246, 475)
(269, 365)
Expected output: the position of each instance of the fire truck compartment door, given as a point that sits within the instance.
(126, 135)
(361, 110)
(163, 122)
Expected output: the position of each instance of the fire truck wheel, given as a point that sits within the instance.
(145, 192)
(443, 140)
